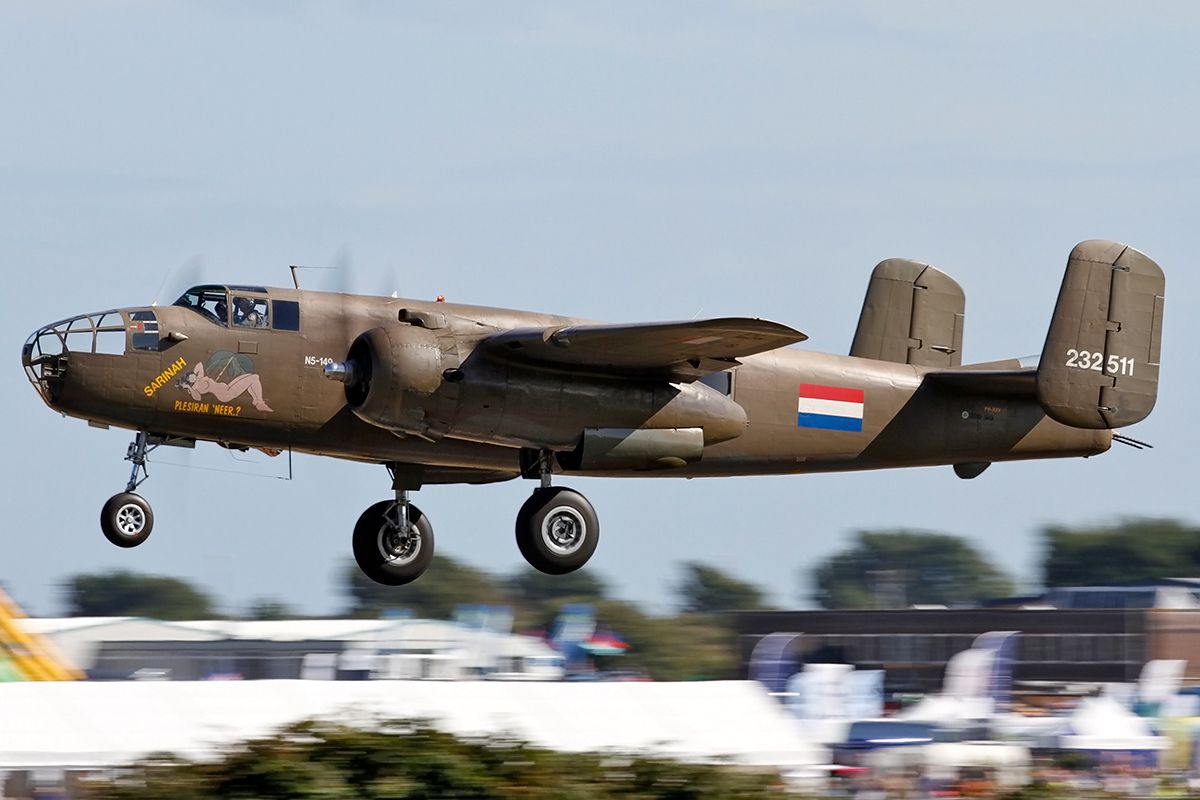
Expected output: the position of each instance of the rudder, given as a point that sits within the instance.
(1100, 364)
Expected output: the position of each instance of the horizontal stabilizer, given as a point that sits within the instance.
(912, 314)
(1099, 368)
(682, 351)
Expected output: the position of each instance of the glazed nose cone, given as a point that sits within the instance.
(44, 357)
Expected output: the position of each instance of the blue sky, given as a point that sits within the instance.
(613, 161)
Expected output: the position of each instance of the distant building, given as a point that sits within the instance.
(912, 646)
(1179, 593)
(121, 648)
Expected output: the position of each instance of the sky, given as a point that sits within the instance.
(616, 161)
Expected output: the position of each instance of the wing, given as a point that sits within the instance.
(681, 351)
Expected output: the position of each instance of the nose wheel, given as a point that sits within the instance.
(127, 519)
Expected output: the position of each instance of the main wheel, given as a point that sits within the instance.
(388, 555)
(126, 519)
(557, 530)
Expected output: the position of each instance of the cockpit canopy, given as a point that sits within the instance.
(241, 306)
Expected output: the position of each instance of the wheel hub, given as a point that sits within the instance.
(130, 519)
(564, 531)
(399, 546)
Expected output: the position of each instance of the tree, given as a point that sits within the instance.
(444, 587)
(900, 568)
(683, 648)
(537, 588)
(128, 594)
(706, 589)
(265, 608)
(414, 760)
(1127, 552)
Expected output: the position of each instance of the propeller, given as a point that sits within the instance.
(348, 371)
(342, 264)
(178, 280)
(354, 371)
(389, 283)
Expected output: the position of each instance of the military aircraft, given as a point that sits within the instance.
(447, 393)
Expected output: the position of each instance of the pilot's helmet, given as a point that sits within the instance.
(221, 310)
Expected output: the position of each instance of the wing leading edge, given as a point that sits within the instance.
(680, 351)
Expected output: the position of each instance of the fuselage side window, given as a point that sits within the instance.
(249, 312)
(287, 315)
(721, 381)
(144, 329)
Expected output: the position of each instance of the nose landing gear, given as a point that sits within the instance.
(127, 518)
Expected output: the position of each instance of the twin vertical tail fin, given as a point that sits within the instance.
(912, 314)
(1099, 367)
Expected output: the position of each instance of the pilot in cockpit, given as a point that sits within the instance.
(247, 314)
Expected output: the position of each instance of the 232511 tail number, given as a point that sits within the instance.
(1094, 361)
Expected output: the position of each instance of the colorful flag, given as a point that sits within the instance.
(833, 408)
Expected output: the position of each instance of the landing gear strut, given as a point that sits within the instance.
(557, 528)
(393, 540)
(126, 518)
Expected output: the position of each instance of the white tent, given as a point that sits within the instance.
(1101, 723)
(98, 724)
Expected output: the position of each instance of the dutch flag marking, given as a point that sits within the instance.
(833, 408)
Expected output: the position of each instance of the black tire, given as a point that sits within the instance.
(392, 562)
(126, 519)
(557, 530)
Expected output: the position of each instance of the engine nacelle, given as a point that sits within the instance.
(637, 449)
(392, 378)
(413, 380)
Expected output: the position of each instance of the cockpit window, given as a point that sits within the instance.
(249, 312)
(208, 301)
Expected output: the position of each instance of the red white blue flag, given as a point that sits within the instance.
(833, 408)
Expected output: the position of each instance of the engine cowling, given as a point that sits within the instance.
(392, 378)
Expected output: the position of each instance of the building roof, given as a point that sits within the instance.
(79, 638)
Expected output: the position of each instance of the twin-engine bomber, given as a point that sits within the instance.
(447, 393)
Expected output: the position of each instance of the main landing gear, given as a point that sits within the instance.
(393, 541)
(557, 528)
(126, 518)
(557, 532)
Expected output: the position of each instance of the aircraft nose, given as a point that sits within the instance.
(44, 357)
(47, 351)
